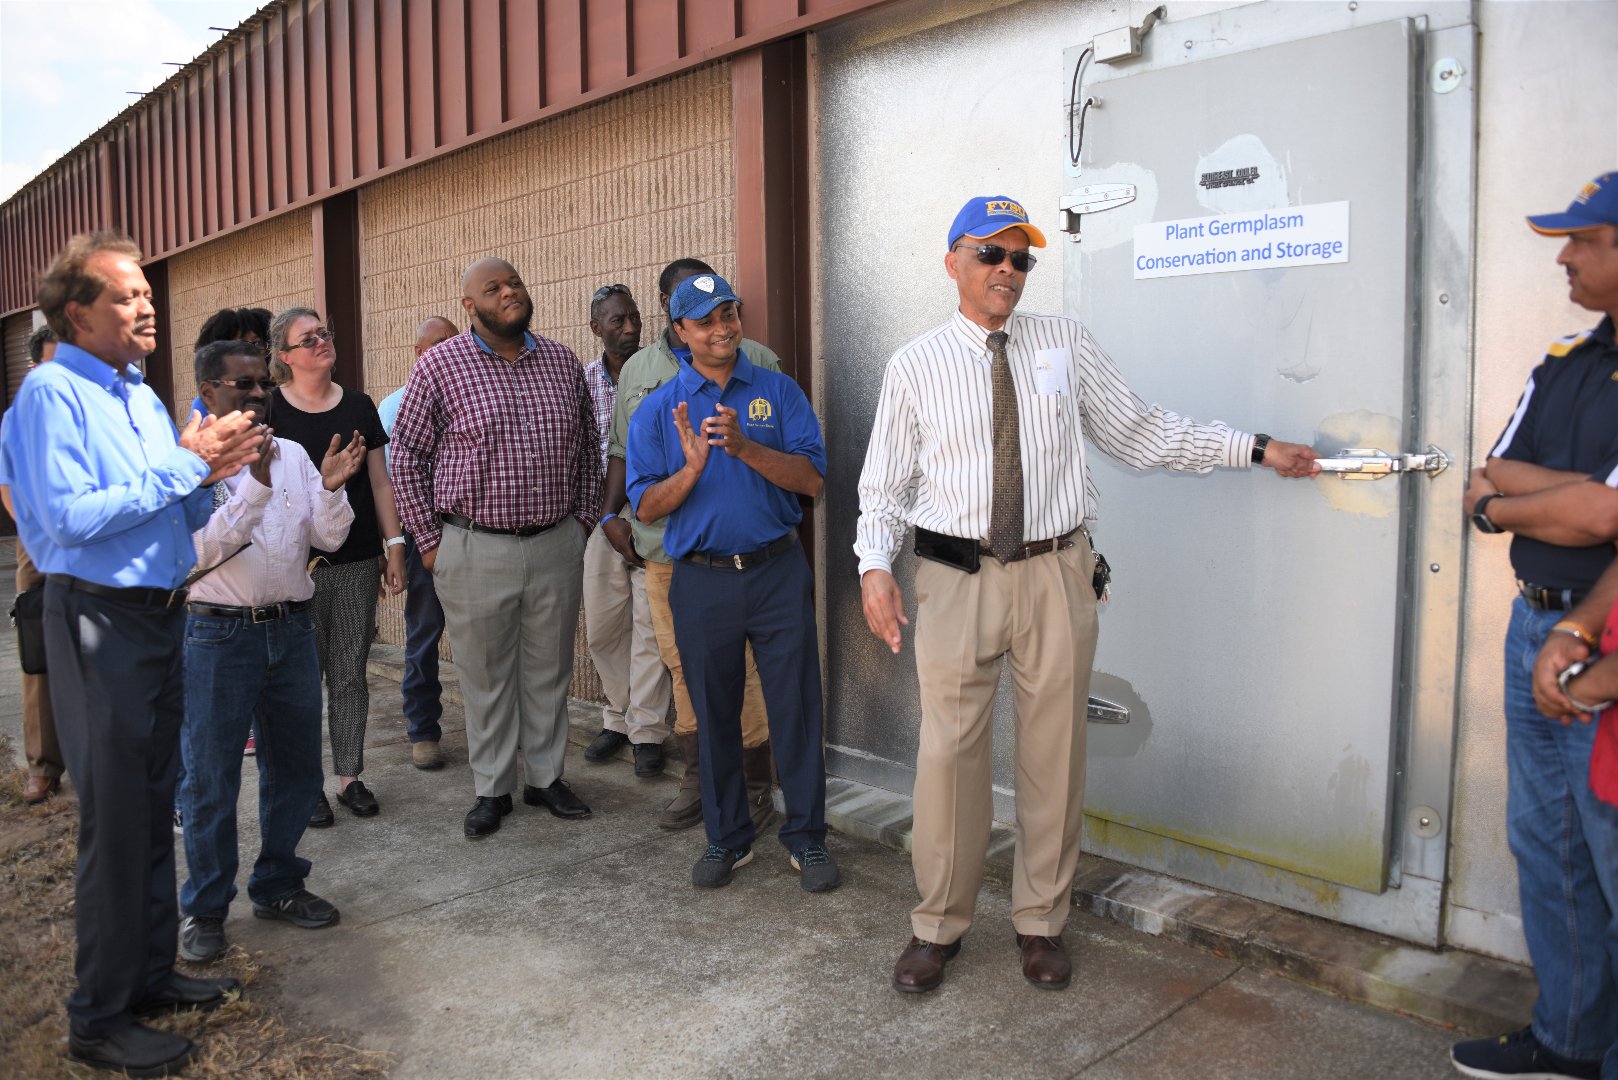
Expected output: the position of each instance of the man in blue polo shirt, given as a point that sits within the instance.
(740, 574)
(1551, 480)
(106, 499)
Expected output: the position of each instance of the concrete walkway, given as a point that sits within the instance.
(580, 949)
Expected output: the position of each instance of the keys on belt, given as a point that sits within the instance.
(1547, 599)
(255, 615)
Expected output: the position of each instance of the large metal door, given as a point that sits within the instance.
(1267, 273)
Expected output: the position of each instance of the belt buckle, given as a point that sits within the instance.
(737, 559)
(258, 615)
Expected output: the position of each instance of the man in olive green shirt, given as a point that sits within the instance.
(641, 544)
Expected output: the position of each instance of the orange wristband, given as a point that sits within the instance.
(1568, 626)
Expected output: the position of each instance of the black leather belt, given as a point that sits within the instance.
(136, 595)
(1038, 547)
(267, 613)
(526, 530)
(1538, 596)
(745, 559)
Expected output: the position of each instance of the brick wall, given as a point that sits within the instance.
(610, 193)
(269, 266)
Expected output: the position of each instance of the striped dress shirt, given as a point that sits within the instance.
(930, 462)
(505, 444)
(604, 393)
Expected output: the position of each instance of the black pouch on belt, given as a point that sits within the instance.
(28, 616)
(1102, 577)
(955, 551)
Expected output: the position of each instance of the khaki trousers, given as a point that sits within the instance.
(755, 721)
(38, 722)
(623, 645)
(1041, 615)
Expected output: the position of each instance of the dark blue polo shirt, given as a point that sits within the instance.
(732, 509)
(1567, 418)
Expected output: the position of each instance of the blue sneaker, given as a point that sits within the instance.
(715, 866)
(816, 870)
(1518, 1055)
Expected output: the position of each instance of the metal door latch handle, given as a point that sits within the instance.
(1365, 464)
(1102, 711)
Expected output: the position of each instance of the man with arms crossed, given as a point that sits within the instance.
(107, 499)
(979, 443)
(1551, 480)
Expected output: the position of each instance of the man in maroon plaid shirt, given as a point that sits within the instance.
(497, 474)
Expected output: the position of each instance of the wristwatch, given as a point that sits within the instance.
(1480, 515)
(1568, 674)
(1260, 444)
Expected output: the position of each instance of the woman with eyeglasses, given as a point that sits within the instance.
(309, 408)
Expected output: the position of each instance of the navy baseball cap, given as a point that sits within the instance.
(1591, 208)
(984, 216)
(695, 297)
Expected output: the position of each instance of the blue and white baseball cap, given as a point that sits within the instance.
(1591, 208)
(695, 297)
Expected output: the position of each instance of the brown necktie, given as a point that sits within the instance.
(1005, 513)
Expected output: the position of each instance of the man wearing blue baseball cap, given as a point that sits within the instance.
(1551, 480)
(978, 442)
(740, 574)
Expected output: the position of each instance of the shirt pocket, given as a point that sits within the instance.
(1047, 424)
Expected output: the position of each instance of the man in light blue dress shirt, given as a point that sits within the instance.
(107, 495)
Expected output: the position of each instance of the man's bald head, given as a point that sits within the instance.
(496, 300)
(432, 331)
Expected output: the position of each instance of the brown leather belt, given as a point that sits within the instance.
(1037, 547)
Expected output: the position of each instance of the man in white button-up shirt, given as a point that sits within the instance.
(931, 464)
(250, 653)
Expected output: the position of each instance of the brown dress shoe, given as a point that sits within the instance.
(1045, 962)
(36, 789)
(921, 965)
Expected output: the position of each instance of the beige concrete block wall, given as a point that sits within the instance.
(269, 266)
(610, 193)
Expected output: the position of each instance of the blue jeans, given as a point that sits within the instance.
(1566, 844)
(424, 625)
(234, 670)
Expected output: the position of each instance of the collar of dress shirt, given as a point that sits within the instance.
(692, 380)
(528, 342)
(92, 367)
(976, 335)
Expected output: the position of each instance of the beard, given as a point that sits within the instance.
(505, 328)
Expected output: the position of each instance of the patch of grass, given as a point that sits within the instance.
(247, 1037)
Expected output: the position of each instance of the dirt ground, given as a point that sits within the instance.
(246, 1038)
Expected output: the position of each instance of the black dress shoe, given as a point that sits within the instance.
(182, 993)
(648, 759)
(322, 816)
(358, 798)
(135, 1050)
(558, 799)
(605, 747)
(484, 817)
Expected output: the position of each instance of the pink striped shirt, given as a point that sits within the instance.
(506, 444)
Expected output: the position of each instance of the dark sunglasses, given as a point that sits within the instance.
(245, 383)
(607, 290)
(994, 255)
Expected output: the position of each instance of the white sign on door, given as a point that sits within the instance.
(1255, 240)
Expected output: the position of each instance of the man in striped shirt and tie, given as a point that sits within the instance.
(978, 442)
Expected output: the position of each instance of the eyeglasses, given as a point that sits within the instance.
(994, 255)
(607, 290)
(245, 383)
(314, 339)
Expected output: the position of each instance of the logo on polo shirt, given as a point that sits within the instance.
(759, 411)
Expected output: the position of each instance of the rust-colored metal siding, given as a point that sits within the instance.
(310, 97)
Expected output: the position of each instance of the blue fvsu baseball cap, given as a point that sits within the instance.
(695, 297)
(1591, 208)
(984, 216)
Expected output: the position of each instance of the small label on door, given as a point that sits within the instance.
(1253, 240)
